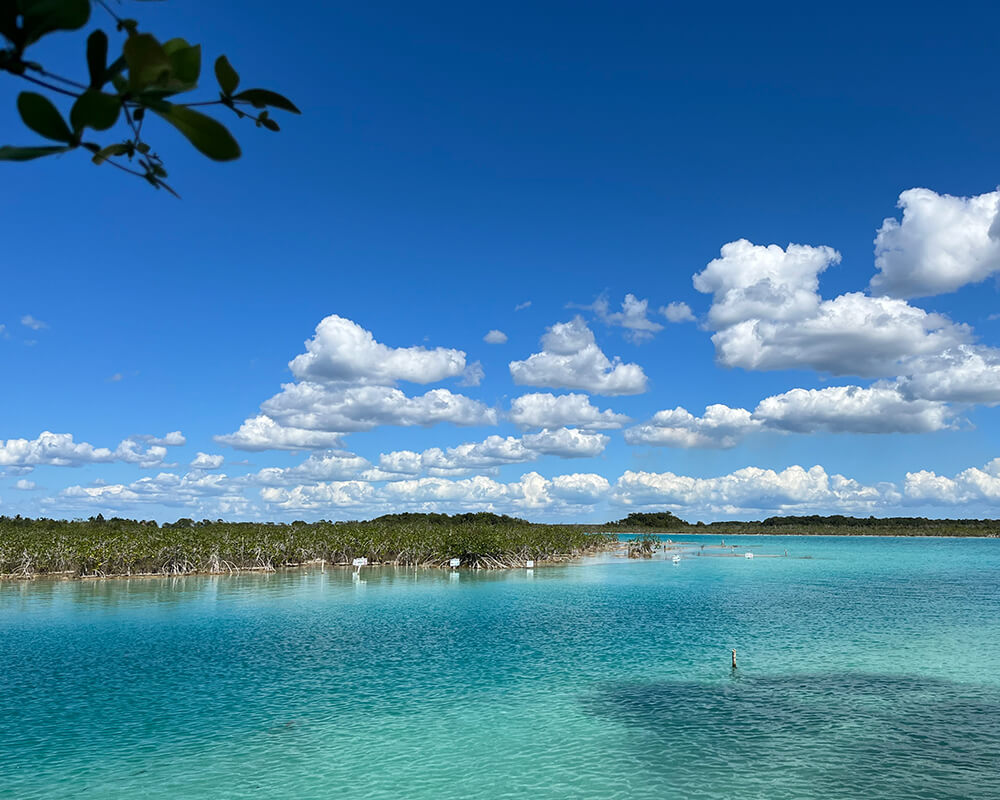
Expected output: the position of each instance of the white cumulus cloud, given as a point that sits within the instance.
(852, 409)
(546, 410)
(263, 433)
(494, 451)
(941, 244)
(330, 466)
(61, 450)
(720, 427)
(964, 374)
(347, 384)
(314, 406)
(571, 359)
(343, 351)
(879, 409)
(973, 485)
(495, 337)
(768, 315)
(752, 489)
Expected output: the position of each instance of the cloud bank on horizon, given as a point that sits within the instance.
(552, 436)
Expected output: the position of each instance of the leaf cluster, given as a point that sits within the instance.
(145, 77)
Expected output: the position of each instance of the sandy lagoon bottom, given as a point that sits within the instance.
(871, 669)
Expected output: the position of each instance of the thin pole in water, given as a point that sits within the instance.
(734, 659)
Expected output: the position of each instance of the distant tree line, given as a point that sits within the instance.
(812, 524)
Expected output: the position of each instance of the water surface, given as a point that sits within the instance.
(870, 668)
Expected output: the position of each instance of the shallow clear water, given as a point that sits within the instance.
(870, 669)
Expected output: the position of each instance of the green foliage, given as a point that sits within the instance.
(42, 117)
(8, 153)
(117, 546)
(226, 76)
(148, 75)
(642, 546)
(209, 136)
(660, 520)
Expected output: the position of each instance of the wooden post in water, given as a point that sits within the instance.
(734, 659)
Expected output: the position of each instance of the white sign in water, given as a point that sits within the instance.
(360, 562)
(529, 564)
(455, 562)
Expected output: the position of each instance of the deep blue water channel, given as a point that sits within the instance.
(868, 667)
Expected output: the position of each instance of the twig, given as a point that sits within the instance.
(48, 85)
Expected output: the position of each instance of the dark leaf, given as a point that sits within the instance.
(94, 109)
(97, 58)
(148, 64)
(42, 117)
(8, 153)
(209, 136)
(110, 151)
(115, 68)
(44, 16)
(261, 98)
(227, 77)
(185, 61)
(270, 124)
(8, 20)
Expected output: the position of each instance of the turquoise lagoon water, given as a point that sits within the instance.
(870, 669)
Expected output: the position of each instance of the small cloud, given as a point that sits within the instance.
(115, 378)
(473, 374)
(30, 342)
(172, 439)
(35, 324)
(3, 332)
(25, 485)
(633, 317)
(207, 461)
(8, 472)
(495, 337)
(677, 312)
(991, 318)
(522, 306)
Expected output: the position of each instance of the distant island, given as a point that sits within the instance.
(99, 547)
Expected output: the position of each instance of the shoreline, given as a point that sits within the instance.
(829, 535)
(70, 575)
(498, 566)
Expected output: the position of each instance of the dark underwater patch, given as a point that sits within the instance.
(827, 734)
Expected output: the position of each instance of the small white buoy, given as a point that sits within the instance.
(676, 559)
(529, 564)
(455, 563)
(748, 555)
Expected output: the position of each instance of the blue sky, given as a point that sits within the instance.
(527, 168)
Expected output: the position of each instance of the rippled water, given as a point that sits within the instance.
(870, 669)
